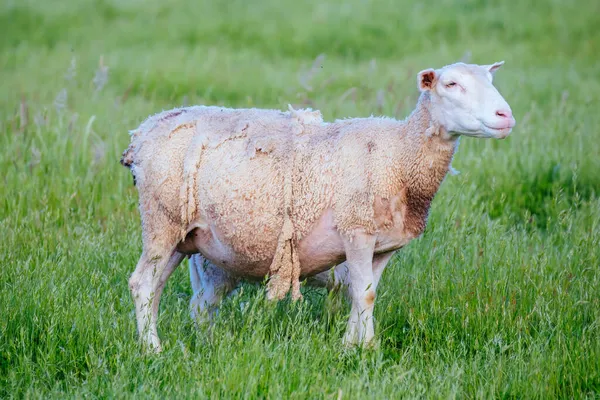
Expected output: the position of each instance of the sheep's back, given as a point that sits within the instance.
(235, 163)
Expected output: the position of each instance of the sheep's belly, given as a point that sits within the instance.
(318, 251)
(322, 247)
(212, 245)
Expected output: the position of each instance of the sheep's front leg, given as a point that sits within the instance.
(338, 276)
(380, 261)
(210, 285)
(359, 262)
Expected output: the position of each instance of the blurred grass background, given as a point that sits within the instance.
(499, 298)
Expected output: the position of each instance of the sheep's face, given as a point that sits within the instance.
(464, 100)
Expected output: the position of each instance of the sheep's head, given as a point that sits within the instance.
(464, 100)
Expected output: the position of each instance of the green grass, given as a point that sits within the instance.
(499, 298)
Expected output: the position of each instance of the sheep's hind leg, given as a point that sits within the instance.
(210, 285)
(331, 279)
(146, 284)
(359, 256)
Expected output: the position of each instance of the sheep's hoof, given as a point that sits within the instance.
(151, 345)
(372, 344)
(351, 341)
(154, 348)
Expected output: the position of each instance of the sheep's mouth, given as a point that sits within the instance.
(499, 133)
(499, 129)
(506, 124)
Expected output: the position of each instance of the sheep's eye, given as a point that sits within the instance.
(448, 85)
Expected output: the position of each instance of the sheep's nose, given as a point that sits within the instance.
(504, 113)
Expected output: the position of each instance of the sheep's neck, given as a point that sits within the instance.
(423, 167)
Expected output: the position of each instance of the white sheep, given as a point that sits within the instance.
(283, 194)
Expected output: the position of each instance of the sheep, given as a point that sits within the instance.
(287, 195)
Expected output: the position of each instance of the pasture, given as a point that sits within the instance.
(499, 298)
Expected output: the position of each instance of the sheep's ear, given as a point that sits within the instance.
(494, 67)
(426, 79)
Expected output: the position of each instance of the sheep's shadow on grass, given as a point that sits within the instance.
(536, 198)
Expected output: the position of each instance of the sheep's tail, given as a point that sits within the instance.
(127, 159)
(127, 156)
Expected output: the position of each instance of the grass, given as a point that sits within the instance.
(499, 298)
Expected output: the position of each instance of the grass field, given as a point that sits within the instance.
(499, 298)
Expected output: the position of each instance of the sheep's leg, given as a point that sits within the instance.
(210, 285)
(338, 277)
(331, 278)
(146, 284)
(380, 261)
(359, 260)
